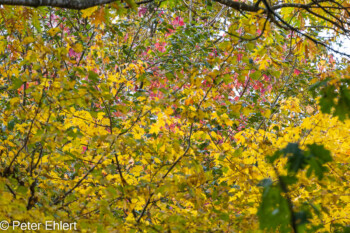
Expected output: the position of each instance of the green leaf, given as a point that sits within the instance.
(238, 152)
(93, 76)
(342, 108)
(337, 98)
(273, 211)
(317, 157)
(225, 217)
(296, 160)
(265, 182)
(11, 125)
(289, 180)
(256, 75)
(22, 189)
(275, 156)
(101, 229)
(16, 83)
(302, 217)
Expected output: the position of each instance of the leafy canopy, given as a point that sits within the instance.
(199, 116)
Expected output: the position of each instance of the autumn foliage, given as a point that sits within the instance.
(172, 117)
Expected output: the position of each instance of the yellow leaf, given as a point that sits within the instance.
(88, 12)
(309, 109)
(188, 101)
(130, 218)
(99, 17)
(169, 111)
(155, 128)
(78, 48)
(14, 101)
(236, 108)
(28, 40)
(246, 111)
(267, 113)
(53, 31)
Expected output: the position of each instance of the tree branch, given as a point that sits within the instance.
(69, 4)
(240, 5)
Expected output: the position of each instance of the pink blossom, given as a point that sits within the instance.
(239, 57)
(215, 52)
(178, 21)
(266, 78)
(142, 11)
(269, 88)
(72, 53)
(160, 46)
(126, 37)
(296, 72)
